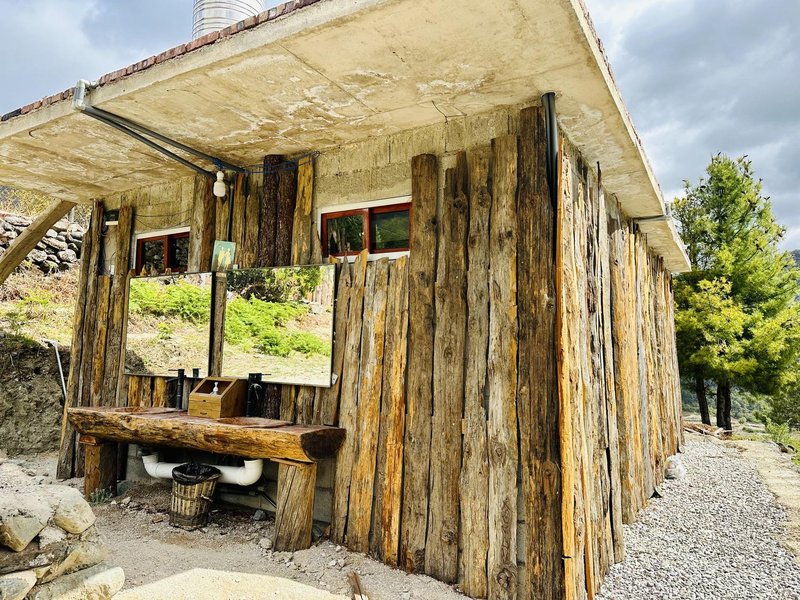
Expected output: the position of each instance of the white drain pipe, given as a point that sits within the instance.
(246, 475)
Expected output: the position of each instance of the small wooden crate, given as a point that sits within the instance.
(229, 402)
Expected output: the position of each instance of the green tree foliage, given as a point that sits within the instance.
(738, 319)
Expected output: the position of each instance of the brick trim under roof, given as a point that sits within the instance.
(206, 40)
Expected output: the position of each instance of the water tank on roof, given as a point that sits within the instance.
(213, 15)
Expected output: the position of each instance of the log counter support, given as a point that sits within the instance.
(296, 447)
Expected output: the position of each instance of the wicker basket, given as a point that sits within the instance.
(190, 506)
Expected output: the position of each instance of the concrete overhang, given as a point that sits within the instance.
(330, 72)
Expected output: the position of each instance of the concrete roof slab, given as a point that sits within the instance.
(340, 71)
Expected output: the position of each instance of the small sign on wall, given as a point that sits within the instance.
(224, 255)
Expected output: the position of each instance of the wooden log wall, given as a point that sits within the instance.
(616, 352)
(510, 390)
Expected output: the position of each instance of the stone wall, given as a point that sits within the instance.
(57, 251)
(49, 545)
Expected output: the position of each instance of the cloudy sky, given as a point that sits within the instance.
(699, 76)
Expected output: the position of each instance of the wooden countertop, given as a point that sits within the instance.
(249, 437)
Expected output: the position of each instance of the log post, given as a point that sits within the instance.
(100, 466)
(294, 514)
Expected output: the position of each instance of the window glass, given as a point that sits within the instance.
(153, 256)
(179, 253)
(345, 234)
(390, 230)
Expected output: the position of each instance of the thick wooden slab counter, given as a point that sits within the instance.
(241, 436)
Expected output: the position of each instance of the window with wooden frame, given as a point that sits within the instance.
(379, 229)
(162, 253)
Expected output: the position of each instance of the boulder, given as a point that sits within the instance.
(86, 551)
(55, 243)
(95, 583)
(51, 535)
(22, 516)
(38, 256)
(50, 233)
(32, 557)
(72, 513)
(67, 256)
(18, 221)
(61, 226)
(16, 585)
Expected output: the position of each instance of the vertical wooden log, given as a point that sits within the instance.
(329, 405)
(100, 337)
(305, 404)
(134, 390)
(287, 198)
(441, 551)
(66, 455)
(648, 484)
(269, 212)
(610, 385)
(239, 212)
(295, 508)
(475, 465)
(253, 198)
(389, 478)
(565, 291)
(100, 472)
(160, 393)
(203, 225)
(302, 228)
(422, 261)
(502, 381)
(117, 313)
(537, 391)
(369, 406)
(349, 401)
(218, 324)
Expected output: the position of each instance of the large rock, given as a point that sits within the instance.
(22, 516)
(86, 551)
(67, 256)
(54, 243)
(18, 221)
(16, 585)
(72, 513)
(96, 583)
(32, 557)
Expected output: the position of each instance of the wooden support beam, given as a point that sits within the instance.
(441, 551)
(295, 510)
(475, 463)
(421, 267)
(537, 389)
(362, 483)
(302, 228)
(100, 472)
(32, 235)
(502, 383)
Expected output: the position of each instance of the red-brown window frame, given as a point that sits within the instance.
(367, 214)
(165, 239)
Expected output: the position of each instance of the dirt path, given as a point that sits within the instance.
(141, 541)
(783, 479)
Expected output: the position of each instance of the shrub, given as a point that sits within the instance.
(778, 432)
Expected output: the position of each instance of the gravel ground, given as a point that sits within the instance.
(714, 535)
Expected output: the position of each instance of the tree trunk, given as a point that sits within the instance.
(702, 399)
(724, 405)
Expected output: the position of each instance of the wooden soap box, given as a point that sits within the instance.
(230, 401)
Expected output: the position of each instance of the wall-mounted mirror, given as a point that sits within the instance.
(279, 322)
(168, 324)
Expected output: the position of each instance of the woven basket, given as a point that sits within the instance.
(190, 507)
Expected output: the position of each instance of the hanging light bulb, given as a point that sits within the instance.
(220, 189)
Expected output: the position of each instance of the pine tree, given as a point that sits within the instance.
(738, 319)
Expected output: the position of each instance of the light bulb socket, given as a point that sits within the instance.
(220, 188)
